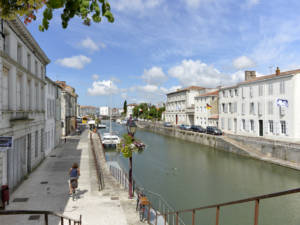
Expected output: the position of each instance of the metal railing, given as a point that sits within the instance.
(255, 199)
(158, 205)
(46, 214)
(97, 165)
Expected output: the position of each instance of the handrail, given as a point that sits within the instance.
(218, 206)
(45, 213)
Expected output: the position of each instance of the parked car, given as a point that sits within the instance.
(213, 130)
(167, 124)
(184, 127)
(197, 129)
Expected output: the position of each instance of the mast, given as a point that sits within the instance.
(109, 108)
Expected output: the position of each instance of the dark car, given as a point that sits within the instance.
(213, 130)
(197, 129)
(167, 124)
(184, 127)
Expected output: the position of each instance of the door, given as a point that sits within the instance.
(261, 125)
(28, 153)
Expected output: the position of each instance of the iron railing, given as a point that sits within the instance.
(158, 205)
(255, 199)
(46, 216)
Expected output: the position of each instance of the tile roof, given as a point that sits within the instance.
(213, 93)
(291, 72)
(187, 89)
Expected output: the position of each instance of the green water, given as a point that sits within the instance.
(190, 175)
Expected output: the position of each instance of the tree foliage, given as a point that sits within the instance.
(87, 10)
(125, 107)
(145, 111)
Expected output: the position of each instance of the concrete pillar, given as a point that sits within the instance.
(12, 89)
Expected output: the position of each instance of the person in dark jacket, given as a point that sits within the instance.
(74, 173)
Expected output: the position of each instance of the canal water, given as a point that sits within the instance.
(190, 175)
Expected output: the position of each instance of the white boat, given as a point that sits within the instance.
(110, 140)
(101, 126)
(118, 121)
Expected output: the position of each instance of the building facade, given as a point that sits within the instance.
(180, 105)
(130, 108)
(68, 108)
(22, 101)
(207, 109)
(88, 110)
(104, 111)
(263, 106)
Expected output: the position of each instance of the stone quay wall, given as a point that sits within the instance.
(272, 151)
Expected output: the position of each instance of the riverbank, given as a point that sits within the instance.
(272, 151)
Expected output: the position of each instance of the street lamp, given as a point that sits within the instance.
(131, 128)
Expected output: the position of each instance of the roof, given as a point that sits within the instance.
(281, 74)
(229, 87)
(213, 93)
(215, 116)
(187, 89)
(87, 107)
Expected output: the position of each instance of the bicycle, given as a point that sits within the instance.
(74, 185)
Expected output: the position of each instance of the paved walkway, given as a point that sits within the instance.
(47, 189)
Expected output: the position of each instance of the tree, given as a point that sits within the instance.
(125, 107)
(87, 10)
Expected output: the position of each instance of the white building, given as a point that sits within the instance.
(88, 110)
(180, 106)
(50, 94)
(130, 108)
(22, 94)
(263, 106)
(207, 109)
(104, 111)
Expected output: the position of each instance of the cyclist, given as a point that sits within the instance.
(74, 173)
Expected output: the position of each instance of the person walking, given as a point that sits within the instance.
(74, 173)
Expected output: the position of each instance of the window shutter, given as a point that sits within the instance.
(254, 109)
(266, 127)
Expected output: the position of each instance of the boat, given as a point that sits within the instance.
(110, 140)
(101, 126)
(118, 121)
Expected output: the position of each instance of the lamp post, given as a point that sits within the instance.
(131, 128)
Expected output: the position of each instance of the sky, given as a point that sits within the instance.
(157, 46)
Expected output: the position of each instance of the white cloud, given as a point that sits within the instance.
(195, 3)
(89, 44)
(135, 5)
(243, 62)
(191, 72)
(251, 3)
(154, 76)
(102, 88)
(95, 77)
(171, 89)
(76, 62)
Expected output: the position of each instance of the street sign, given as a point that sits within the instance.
(5, 143)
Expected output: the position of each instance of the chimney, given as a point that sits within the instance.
(277, 71)
(249, 75)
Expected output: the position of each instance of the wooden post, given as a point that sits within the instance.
(46, 219)
(193, 217)
(155, 218)
(165, 216)
(80, 219)
(69, 222)
(177, 215)
(217, 215)
(256, 212)
(61, 220)
(148, 214)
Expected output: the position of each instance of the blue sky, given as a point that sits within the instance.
(155, 46)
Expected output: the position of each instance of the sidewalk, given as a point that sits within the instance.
(47, 189)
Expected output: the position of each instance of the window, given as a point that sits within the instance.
(36, 68)
(6, 42)
(229, 124)
(270, 108)
(282, 87)
(271, 89)
(222, 123)
(4, 89)
(29, 62)
(243, 108)
(223, 93)
(230, 108)
(283, 127)
(261, 90)
(251, 92)
(19, 54)
(18, 86)
(259, 108)
(231, 93)
(243, 92)
(36, 97)
(243, 124)
(223, 107)
(235, 107)
(251, 108)
(236, 92)
(271, 126)
(36, 144)
(251, 125)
